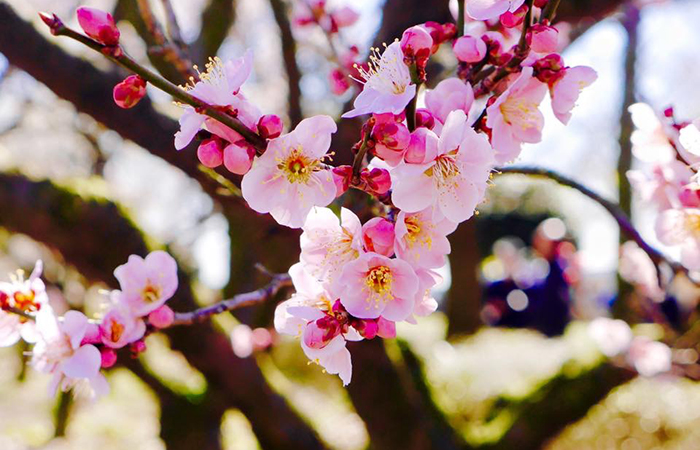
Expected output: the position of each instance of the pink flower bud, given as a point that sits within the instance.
(378, 236)
(416, 41)
(129, 92)
(385, 328)
(319, 333)
(543, 38)
(162, 317)
(99, 25)
(392, 135)
(378, 180)
(440, 32)
(341, 177)
(425, 119)
(238, 157)
(689, 197)
(211, 153)
(514, 19)
(367, 328)
(338, 81)
(344, 17)
(422, 148)
(469, 49)
(109, 357)
(270, 126)
(549, 69)
(137, 347)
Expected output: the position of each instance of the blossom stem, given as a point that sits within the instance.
(613, 208)
(116, 55)
(279, 282)
(460, 18)
(359, 159)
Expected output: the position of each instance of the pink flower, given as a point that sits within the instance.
(378, 180)
(650, 358)
(490, 9)
(388, 87)
(58, 351)
(378, 236)
(162, 317)
(638, 269)
(28, 296)
(689, 138)
(663, 186)
(119, 328)
(515, 116)
(469, 49)
(129, 92)
(147, 283)
(421, 238)
(327, 244)
(374, 285)
(455, 180)
(416, 42)
(422, 148)
(344, 17)
(289, 178)
(543, 38)
(566, 90)
(99, 25)
(613, 337)
(681, 227)
(211, 153)
(425, 303)
(220, 86)
(270, 126)
(449, 95)
(391, 138)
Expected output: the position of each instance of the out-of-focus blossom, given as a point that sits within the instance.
(146, 284)
(663, 185)
(388, 87)
(449, 95)
(289, 178)
(613, 336)
(543, 38)
(421, 238)
(327, 244)
(162, 317)
(119, 328)
(455, 180)
(681, 227)
(28, 296)
(374, 285)
(515, 116)
(98, 24)
(638, 269)
(648, 357)
(491, 9)
(469, 49)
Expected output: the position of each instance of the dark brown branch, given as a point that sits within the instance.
(218, 16)
(289, 51)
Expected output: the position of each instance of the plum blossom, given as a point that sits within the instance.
(455, 180)
(490, 9)
(515, 117)
(449, 95)
(378, 236)
(119, 328)
(566, 90)
(289, 178)
(421, 238)
(219, 85)
(649, 358)
(681, 227)
(613, 336)
(327, 244)
(663, 184)
(425, 303)
(374, 285)
(28, 296)
(58, 351)
(388, 87)
(689, 138)
(146, 284)
(99, 25)
(322, 325)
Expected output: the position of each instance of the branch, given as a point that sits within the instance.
(279, 281)
(613, 208)
(289, 51)
(218, 17)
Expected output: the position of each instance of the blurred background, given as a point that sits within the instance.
(506, 362)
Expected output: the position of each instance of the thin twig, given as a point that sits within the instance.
(116, 55)
(278, 282)
(460, 18)
(613, 208)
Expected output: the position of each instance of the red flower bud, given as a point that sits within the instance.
(211, 152)
(270, 126)
(99, 25)
(378, 180)
(129, 92)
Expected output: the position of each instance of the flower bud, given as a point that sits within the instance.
(366, 327)
(162, 317)
(137, 347)
(514, 19)
(378, 180)
(690, 197)
(440, 33)
(378, 236)
(386, 328)
(238, 157)
(469, 49)
(211, 153)
(543, 38)
(109, 357)
(344, 17)
(416, 42)
(129, 92)
(99, 25)
(549, 69)
(341, 177)
(425, 119)
(422, 148)
(270, 126)
(392, 135)
(319, 333)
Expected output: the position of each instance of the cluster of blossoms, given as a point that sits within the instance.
(74, 348)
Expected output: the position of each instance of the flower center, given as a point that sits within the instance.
(518, 111)
(214, 73)
(417, 232)
(116, 330)
(385, 73)
(297, 167)
(151, 293)
(445, 169)
(378, 282)
(692, 222)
